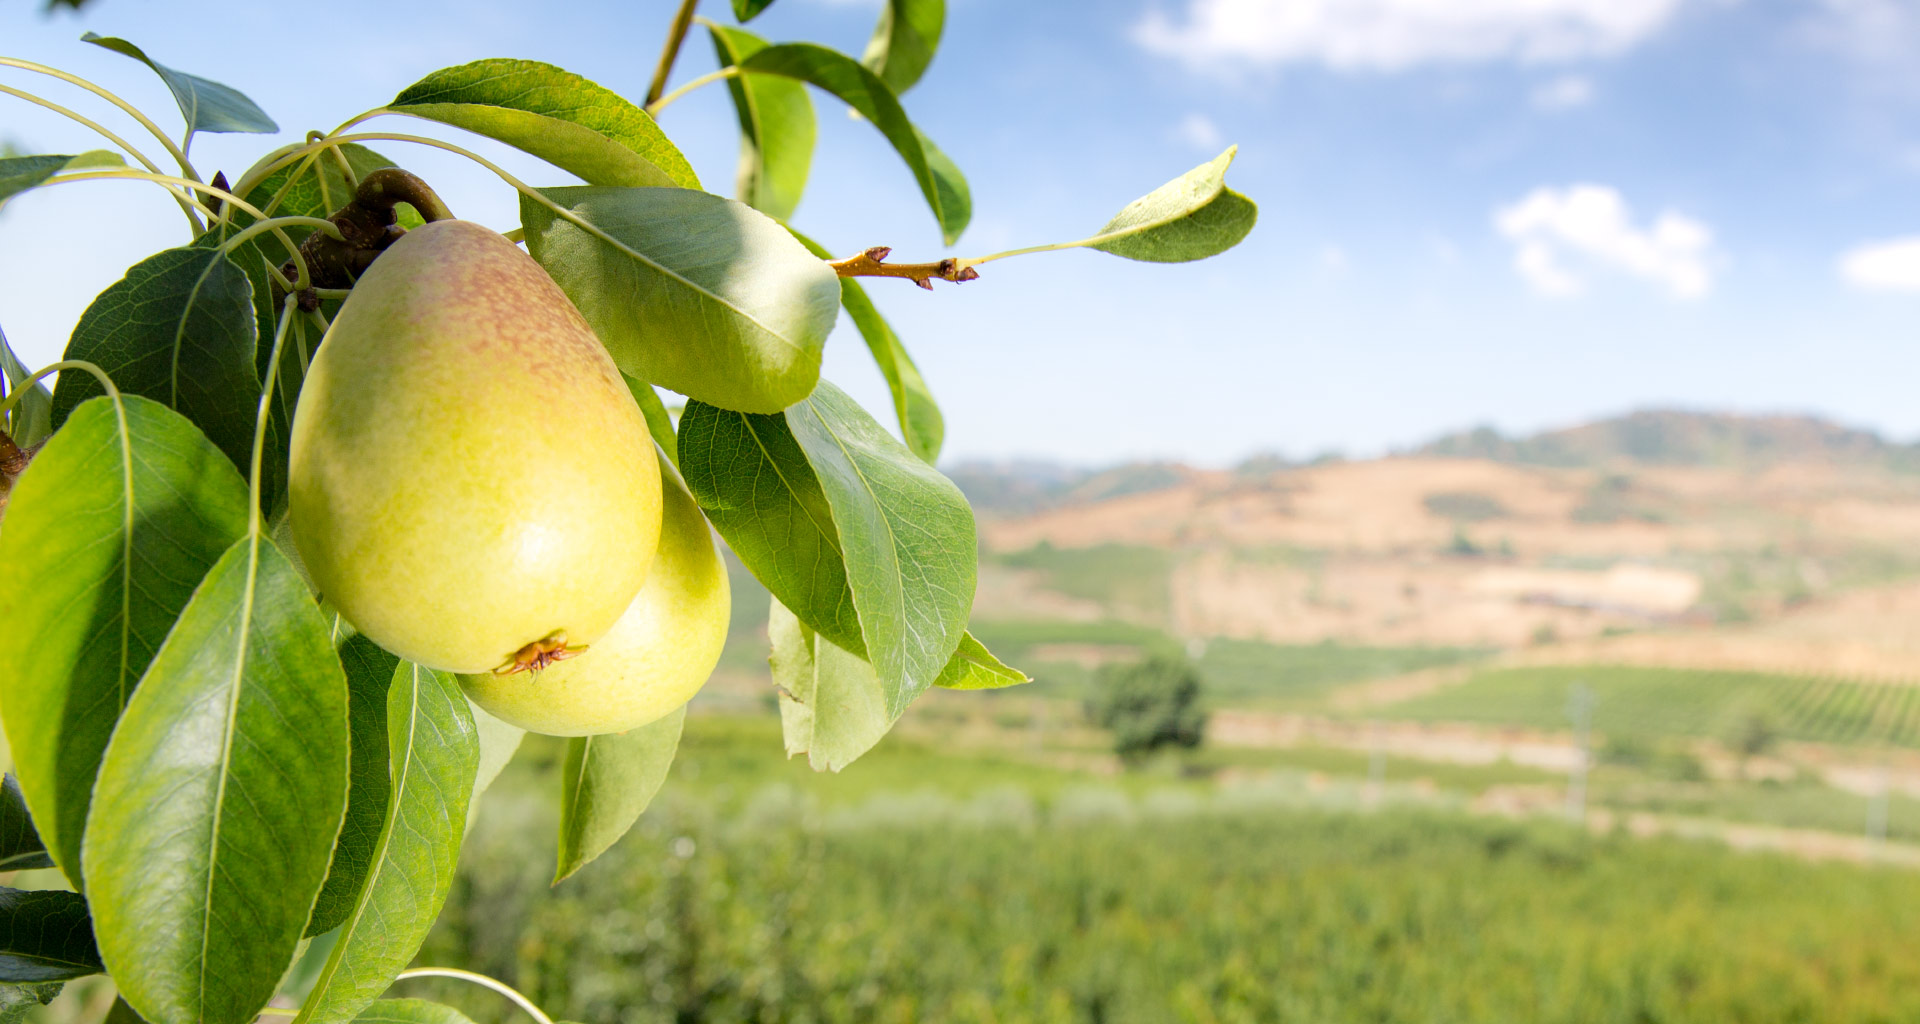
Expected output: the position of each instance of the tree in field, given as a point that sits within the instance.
(1148, 705)
(331, 503)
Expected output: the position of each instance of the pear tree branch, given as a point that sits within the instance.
(872, 263)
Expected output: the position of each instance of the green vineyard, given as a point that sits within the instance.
(1642, 702)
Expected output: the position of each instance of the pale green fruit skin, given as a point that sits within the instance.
(651, 662)
(469, 471)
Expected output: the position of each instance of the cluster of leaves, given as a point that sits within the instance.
(215, 759)
(1149, 705)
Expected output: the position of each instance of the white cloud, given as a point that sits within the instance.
(1199, 131)
(1592, 225)
(1892, 266)
(1564, 93)
(1391, 35)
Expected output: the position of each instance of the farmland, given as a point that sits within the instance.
(928, 885)
(1645, 702)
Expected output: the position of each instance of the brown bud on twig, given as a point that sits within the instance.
(872, 263)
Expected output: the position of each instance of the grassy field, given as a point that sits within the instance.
(1634, 701)
(928, 886)
(1119, 577)
(1237, 672)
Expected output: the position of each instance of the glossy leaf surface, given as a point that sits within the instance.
(776, 128)
(45, 936)
(178, 329)
(752, 479)
(207, 106)
(695, 293)
(106, 536)
(556, 115)
(607, 782)
(940, 181)
(433, 753)
(906, 533)
(219, 799)
(369, 672)
(20, 845)
(1191, 217)
(904, 41)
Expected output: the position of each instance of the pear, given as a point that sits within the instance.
(651, 661)
(470, 476)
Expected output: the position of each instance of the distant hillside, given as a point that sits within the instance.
(1680, 438)
(1657, 437)
(1025, 487)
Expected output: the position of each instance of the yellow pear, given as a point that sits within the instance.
(470, 475)
(651, 661)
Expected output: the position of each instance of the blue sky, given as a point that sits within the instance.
(1518, 212)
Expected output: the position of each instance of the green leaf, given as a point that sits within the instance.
(411, 1011)
(219, 799)
(20, 845)
(434, 753)
(919, 415)
(776, 128)
(690, 291)
(498, 743)
(833, 708)
(369, 676)
(20, 173)
(1191, 217)
(973, 667)
(904, 41)
(207, 106)
(17, 1002)
(178, 329)
(121, 1013)
(45, 936)
(907, 535)
(747, 10)
(754, 482)
(31, 420)
(107, 533)
(566, 120)
(659, 421)
(940, 181)
(607, 782)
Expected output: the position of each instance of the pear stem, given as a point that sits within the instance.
(360, 231)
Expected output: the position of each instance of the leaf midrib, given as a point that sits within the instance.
(893, 540)
(595, 230)
(226, 749)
